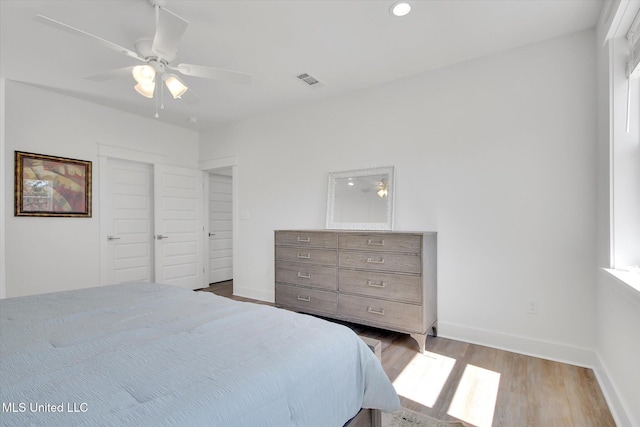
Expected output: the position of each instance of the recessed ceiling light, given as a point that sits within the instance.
(400, 8)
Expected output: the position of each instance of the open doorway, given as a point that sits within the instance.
(220, 224)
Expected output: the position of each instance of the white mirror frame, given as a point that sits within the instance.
(332, 224)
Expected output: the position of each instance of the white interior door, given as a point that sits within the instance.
(179, 229)
(220, 228)
(128, 215)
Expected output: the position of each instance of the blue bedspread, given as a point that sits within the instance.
(150, 354)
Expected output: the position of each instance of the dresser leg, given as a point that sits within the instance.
(421, 339)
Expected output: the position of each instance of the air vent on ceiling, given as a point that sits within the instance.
(308, 79)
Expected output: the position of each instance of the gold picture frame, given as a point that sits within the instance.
(52, 186)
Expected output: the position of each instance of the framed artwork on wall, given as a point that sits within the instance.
(52, 186)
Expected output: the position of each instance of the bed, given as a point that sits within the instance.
(151, 354)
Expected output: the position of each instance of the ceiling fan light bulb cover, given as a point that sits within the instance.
(175, 86)
(144, 74)
(145, 90)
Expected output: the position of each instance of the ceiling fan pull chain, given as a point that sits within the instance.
(156, 83)
(161, 93)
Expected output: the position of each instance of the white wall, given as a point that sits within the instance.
(51, 254)
(618, 347)
(497, 155)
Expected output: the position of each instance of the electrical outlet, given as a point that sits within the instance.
(532, 306)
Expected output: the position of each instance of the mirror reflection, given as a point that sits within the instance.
(361, 199)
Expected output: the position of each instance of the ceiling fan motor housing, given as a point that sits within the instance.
(143, 47)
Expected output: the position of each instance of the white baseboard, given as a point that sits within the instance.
(616, 405)
(547, 350)
(519, 344)
(259, 294)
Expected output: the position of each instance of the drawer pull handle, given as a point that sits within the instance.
(307, 299)
(376, 285)
(373, 261)
(372, 311)
(304, 276)
(372, 243)
(303, 256)
(304, 239)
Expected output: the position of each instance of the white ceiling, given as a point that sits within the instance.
(348, 45)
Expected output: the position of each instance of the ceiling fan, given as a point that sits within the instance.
(158, 55)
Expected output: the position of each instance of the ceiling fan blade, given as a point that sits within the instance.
(169, 30)
(111, 74)
(213, 73)
(62, 26)
(190, 98)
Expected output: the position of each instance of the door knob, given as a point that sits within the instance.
(160, 237)
(212, 234)
(110, 238)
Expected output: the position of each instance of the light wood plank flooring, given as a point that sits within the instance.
(483, 386)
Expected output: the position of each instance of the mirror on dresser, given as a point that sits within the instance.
(361, 199)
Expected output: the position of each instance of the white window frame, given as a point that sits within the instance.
(624, 155)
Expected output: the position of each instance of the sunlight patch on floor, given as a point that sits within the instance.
(424, 377)
(475, 397)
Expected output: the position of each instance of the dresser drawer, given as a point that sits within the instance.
(306, 274)
(381, 285)
(407, 243)
(381, 261)
(307, 238)
(383, 313)
(305, 299)
(306, 255)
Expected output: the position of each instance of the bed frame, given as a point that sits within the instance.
(368, 417)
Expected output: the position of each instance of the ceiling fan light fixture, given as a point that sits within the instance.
(145, 89)
(156, 54)
(175, 86)
(144, 74)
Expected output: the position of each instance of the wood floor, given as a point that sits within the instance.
(483, 386)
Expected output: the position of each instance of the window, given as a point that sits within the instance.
(625, 163)
(624, 104)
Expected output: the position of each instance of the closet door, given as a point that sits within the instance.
(127, 221)
(179, 228)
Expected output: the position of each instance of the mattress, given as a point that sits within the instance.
(151, 354)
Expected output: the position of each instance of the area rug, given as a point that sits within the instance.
(407, 418)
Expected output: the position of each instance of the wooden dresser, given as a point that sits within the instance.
(381, 279)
